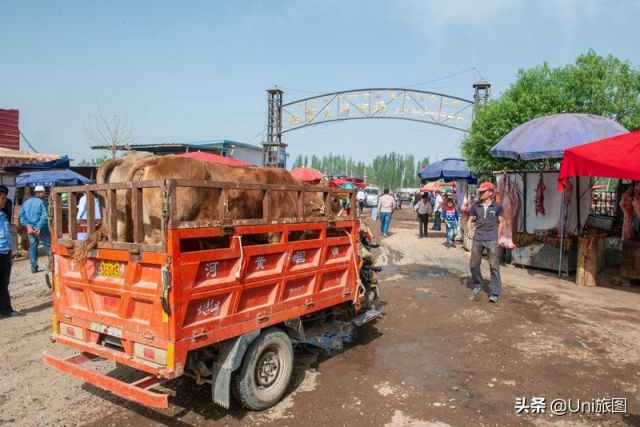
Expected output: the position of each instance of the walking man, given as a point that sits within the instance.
(33, 215)
(423, 210)
(484, 226)
(6, 310)
(386, 205)
(360, 197)
(437, 211)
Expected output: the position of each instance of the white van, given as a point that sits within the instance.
(371, 196)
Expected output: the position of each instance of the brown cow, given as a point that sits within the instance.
(201, 204)
(112, 171)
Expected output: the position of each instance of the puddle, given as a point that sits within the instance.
(425, 270)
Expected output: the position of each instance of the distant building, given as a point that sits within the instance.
(237, 150)
(9, 129)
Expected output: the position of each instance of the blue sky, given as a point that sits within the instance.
(198, 70)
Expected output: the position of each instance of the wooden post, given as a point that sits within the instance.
(57, 210)
(73, 214)
(222, 205)
(266, 205)
(588, 261)
(136, 213)
(300, 210)
(91, 214)
(111, 215)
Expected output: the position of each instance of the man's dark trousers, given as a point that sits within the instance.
(5, 275)
(494, 265)
(423, 223)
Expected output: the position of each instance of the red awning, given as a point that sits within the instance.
(615, 157)
(306, 174)
(214, 158)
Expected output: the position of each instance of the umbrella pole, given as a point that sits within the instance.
(562, 219)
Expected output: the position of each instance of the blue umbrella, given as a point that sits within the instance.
(547, 137)
(447, 169)
(49, 178)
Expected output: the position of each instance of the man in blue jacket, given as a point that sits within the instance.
(33, 215)
(6, 310)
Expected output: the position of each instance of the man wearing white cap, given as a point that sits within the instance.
(34, 216)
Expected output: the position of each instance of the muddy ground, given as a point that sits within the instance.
(436, 358)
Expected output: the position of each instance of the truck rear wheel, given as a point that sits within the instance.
(266, 371)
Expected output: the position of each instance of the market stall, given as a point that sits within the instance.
(616, 157)
(544, 225)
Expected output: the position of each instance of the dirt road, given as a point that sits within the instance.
(435, 359)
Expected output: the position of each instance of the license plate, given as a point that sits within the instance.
(111, 269)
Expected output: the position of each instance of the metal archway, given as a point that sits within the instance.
(373, 103)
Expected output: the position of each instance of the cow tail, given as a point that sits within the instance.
(105, 170)
(82, 252)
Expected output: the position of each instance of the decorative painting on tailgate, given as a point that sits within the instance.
(207, 308)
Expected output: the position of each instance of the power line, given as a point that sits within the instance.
(28, 143)
(439, 78)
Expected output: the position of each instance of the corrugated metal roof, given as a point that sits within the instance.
(217, 144)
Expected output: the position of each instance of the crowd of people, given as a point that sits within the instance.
(482, 227)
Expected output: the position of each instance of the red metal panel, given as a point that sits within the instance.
(216, 294)
(9, 129)
(138, 391)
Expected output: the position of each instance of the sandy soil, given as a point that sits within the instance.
(436, 359)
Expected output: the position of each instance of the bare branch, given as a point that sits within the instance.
(113, 132)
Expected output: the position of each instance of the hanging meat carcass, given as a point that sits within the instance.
(539, 200)
(626, 204)
(636, 199)
(566, 202)
(509, 200)
(465, 208)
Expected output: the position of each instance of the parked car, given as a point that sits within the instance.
(371, 196)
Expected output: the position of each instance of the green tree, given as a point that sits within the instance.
(604, 86)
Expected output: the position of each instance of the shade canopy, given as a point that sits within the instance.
(616, 157)
(548, 136)
(14, 160)
(339, 182)
(306, 174)
(450, 168)
(50, 178)
(215, 158)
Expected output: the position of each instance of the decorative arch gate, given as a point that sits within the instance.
(373, 103)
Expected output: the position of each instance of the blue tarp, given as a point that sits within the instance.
(447, 169)
(547, 137)
(61, 163)
(57, 177)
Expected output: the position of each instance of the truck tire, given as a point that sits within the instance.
(265, 372)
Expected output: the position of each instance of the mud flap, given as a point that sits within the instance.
(369, 315)
(231, 353)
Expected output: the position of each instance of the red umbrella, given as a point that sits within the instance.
(214, 158)
(336, 183)
(431, 186)
(306, 174)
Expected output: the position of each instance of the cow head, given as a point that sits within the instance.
(316, 206)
